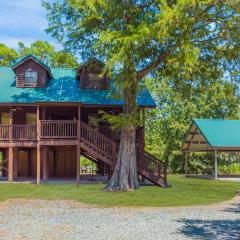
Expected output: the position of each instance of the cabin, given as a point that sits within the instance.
(50, 117)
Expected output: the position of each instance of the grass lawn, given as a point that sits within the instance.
(184, 192)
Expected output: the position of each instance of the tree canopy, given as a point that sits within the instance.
(7, 55)
(47, 53)
(185, 41)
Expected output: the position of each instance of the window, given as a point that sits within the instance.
(94, 77)
(5, 118)
(30, 77)
(31, 118)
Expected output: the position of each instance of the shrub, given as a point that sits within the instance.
(233, 168)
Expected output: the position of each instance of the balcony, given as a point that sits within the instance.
(58, 129)
(47, 129)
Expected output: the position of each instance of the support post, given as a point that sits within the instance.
(38, 148)
(11, 125)
(15, 164)
(38, 164)
(78, 164)
(186, 164)
(215, 165)
(10, 164)
(44, 162)
(79, 123)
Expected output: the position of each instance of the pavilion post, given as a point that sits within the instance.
(186, 163)
(215, 165)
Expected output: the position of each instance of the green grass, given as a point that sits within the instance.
(184, 192)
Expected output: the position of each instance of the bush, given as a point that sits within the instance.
(231, 169)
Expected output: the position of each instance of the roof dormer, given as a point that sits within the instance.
(91, 75)
(31, 72)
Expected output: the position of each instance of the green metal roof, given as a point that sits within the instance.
(220, 133)
(63, 87)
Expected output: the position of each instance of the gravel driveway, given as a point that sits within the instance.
(38, 219)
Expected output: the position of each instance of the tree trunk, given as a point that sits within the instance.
(125, 176)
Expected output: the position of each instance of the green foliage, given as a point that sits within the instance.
(64, 60)
(7, 55)
(46, 53)
(168, 123)
(231, 169)
(189, 42)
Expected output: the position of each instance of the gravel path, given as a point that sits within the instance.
(38, 219)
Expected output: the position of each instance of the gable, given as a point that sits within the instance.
(31, 68)
(90, 75)
(209, 134)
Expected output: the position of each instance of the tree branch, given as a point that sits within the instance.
(141, 74)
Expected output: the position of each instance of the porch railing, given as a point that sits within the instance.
(58, 129)
(24, 132)
(4, 132)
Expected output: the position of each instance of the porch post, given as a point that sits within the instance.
(10, 164)
(44, 162)
(78, 164)
(215, 165)
(38, 148)
(11, 125)
(78, 145)
(15, 164)
(38, 164)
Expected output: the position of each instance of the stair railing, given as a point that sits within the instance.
(150, 164)
(98, 140)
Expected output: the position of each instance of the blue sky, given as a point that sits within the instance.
(23, 20)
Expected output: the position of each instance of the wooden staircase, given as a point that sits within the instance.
(95, 145)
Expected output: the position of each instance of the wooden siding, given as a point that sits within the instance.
(86, 82)
(42, 76)
(62, 162)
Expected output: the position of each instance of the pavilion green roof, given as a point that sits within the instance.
(63, 87)
(219, 132)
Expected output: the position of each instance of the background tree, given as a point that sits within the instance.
(47, 53)
(167, 125)
(7, 55)
(139, 37)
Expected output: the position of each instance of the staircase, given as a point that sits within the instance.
(95, 145)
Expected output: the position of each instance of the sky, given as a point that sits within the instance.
(23, 20)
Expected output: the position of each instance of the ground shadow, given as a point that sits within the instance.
(219, 229)
(211, 229)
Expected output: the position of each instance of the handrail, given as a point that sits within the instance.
(4, 131)
(94, 137)
(149, 164)
(58, 128)
(24, 132)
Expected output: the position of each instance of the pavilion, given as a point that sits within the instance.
(214, 135)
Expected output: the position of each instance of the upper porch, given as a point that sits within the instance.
(29, 124)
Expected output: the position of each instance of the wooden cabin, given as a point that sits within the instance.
(50, 117)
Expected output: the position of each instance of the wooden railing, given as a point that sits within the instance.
(58, 129)
(150, 163)
(4, 132)
(93, 137)
(24, 132)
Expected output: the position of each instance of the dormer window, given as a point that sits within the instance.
(91, 75)
(31, 72)
(31, 77)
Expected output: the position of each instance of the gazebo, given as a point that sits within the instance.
(214, 135)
